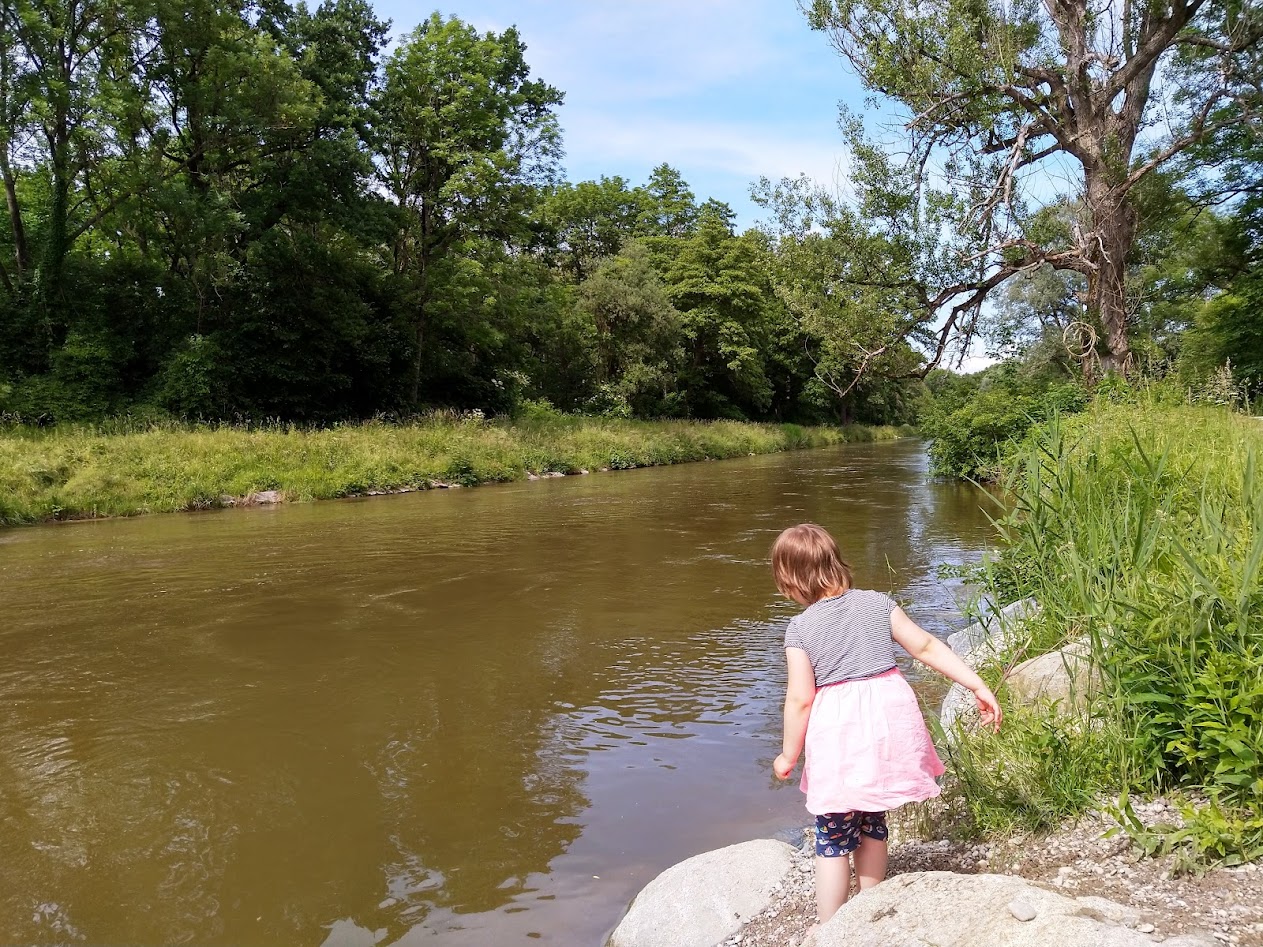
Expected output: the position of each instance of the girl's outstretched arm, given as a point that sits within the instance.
(800, 691)
(933, 653)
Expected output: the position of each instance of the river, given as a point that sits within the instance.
(468, 717)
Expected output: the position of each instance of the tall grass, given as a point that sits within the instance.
(123, 468)
(1139, 528)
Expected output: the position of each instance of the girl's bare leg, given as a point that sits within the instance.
(870, 863)
(833, 884)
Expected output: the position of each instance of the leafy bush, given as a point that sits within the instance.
(1209, 833)
(190, 383)
(972, 437)
(1140, 529)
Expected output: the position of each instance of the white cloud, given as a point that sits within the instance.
(744, 150)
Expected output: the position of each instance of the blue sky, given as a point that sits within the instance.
(724, 90)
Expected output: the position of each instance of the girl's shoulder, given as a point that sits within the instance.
(851, 598)
(873, 597)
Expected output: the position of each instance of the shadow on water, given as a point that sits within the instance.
(478, 716)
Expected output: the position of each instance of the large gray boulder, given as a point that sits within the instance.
(703, 900)
(992, 633)
(1066, 677)
(996, 632)
(943, 909)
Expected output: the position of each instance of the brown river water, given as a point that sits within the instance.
(472, 717)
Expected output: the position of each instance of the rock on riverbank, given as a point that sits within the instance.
(706, 898)
(1223, 907)
(944, 909)
(989, 636)
(1101, 876)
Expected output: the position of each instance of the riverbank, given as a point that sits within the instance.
(78, 472)
(1138, 528)
(1130, 763)
(1077, 859)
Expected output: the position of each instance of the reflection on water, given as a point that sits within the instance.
(470, 717)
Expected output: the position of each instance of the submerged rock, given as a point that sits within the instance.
(703, 900)
(264, 498)
(943, 909)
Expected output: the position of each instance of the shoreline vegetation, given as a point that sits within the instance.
(76, 472)
(1138, 528)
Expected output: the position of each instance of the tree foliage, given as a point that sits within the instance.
(254, 209)
(999, 101)
(243, 209)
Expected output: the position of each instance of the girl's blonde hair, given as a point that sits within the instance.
(806, 563)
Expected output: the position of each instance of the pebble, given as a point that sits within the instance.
(1021, 910)
(1145, 928)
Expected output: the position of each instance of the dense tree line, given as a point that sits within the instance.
(252, 209)
(256, 209)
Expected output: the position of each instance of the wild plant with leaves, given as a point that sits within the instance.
(1139, 530)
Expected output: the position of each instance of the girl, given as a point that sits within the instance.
(867, 746)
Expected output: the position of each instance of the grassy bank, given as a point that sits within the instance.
(1139, 530)
(83, 472)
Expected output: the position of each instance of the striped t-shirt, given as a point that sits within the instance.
(847, 637)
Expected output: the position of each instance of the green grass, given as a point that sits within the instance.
(1138, 528)
(76, 472)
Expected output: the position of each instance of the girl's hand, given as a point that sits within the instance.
(782, 766)
(989, 712)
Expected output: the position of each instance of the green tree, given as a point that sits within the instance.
(719, 284)
(669, 209)
(321, 177)
(638, 332)
(466, 139)
(62, 66)
(994, 93)
(591, 221)
(15, 100)
(1227, 331)
(1222, 308)
(847, 287)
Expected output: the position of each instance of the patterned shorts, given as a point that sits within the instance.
(838, 833)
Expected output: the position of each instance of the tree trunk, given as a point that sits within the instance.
(21, 255)
(418, 328)
(1113, 234)
(57, 133)
(56, 243)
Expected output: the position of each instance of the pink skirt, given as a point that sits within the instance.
(868, 748)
